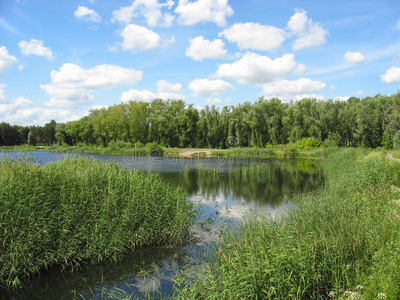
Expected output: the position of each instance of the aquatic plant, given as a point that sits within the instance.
(79, 209)
(334, 239)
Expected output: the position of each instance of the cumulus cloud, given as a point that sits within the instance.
(206, 87)
(164, 86)
(151, 10)
(85, 14)
(201, 48)
(23, 111)
(35, 47)
(253, 68)
(139, 38)
(291, 97)
(201, 11)
(391, 75)
(14, 105)
(254, 36)
(293, 87)
(73, 86)
(354, 57)
(213, 101)
(88, 15)
(6, 60)
(165, 90)
(309, 33)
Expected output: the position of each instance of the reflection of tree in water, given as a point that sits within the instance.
(262, 183)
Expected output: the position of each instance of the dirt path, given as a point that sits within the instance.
(195, 153)
(390, 156)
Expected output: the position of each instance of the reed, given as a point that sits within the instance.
(336, 240)
(77, 210)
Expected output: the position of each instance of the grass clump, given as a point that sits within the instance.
(80, 209)
(336, 239)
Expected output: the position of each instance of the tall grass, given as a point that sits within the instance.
(80, 209)
(342, 237)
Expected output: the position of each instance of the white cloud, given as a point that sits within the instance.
(73, 86)
(206, 87)
(340, 99)
(14, 105)
(85, 14)
(139, 38)
(391, 75)
(213, 101)
(20, 68)
(202, 11)
(253, 68)
(2, 94)
(164, 86)
(201, 48)
(354, 57)
(254, 36)
(35, 47)
(332, 87)
(151, 10)
(299, 86)
(165, 90)
(309, 33)
(289, 97)
(22, 111)
(6, 60)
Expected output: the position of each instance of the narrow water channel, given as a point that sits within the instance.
(224, 189)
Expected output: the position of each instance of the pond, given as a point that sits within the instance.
(224, 189)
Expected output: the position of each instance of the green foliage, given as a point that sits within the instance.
(154, 149)
(78, 209)
(139, 145)
(290, 150)
(396, 141)
(308, 143)
(369, 122)
(117, 145)
(339, 238)
(31, 138)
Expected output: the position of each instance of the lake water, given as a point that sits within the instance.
(225, 189)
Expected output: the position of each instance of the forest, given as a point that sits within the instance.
(367, 122)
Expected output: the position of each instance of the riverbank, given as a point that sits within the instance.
(79, 210)
(341, 242)
(283, 151)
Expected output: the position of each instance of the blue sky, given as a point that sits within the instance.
(59, 59)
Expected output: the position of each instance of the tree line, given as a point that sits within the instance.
(369, 122)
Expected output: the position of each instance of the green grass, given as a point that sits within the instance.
(344, 236)
(77, 210)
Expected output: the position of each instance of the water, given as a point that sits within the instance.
(224, 197)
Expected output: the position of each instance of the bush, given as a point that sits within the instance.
(154, 149)
(308, 143)
(118, 145)
(290, 150)
(139, 145)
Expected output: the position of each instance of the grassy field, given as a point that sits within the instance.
(76, 210)
(341, 242)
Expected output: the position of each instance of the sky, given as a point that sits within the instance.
(59, 59)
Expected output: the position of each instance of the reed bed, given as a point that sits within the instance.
(340, 242)
(77, 210)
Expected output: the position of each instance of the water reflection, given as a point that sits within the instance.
(224, 189)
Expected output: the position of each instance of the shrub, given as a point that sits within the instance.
(139, 145)
(154, 149)
(308, 143)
